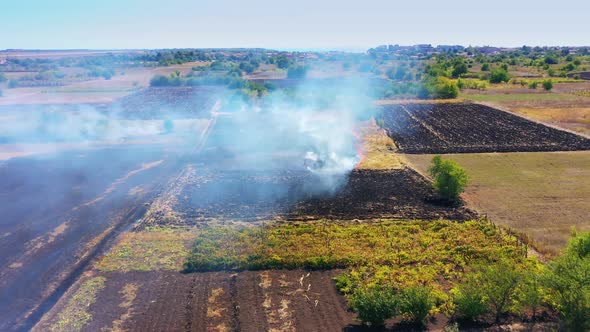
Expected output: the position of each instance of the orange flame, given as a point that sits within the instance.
(358, 145)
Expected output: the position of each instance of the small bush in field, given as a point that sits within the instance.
(469, 301)
(415, 303)
(374, 305)
(547, 85)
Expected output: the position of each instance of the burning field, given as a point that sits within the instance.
(317, 179)
(208, 195)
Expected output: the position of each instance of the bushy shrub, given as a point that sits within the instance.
(449, 178)
(568, 283)
(468, 300)
(159, 80)
(551, 59)
(472, 84)
(438, 87)
(529, 294)
(489, 287)
(533, 85)
(547, 85)
(374, 305)
(499, 75)
(460, 68)
(415, 303)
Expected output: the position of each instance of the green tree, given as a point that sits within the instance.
(499, 75)
(282, 61)
(547, 85)
(159, 80)
(449, 178)
(485, 67)
(460, 68)
(533, 85)
(567, 281)
(374, 305)
(551, 59)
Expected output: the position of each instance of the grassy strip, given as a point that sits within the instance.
(154, 249)
(75, 314)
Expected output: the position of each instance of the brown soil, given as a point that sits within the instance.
(293, 300)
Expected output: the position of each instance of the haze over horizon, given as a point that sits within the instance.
(306, 24)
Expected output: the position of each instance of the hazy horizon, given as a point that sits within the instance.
(327, 25)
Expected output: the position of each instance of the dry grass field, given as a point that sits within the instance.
(541, 194)
(375, 148)
(567, 106)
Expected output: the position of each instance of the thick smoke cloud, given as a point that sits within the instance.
(309, 128)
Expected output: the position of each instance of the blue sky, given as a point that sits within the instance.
(50, 24)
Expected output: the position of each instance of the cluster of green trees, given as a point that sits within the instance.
(42, 77)
(232, 80)
(554, 62)
(494, 290)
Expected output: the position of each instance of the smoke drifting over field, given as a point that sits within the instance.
(308, 128)
(311, 128)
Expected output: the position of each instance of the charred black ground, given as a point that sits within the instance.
(471, 128)
(292, 195)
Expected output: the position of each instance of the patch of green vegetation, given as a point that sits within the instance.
(75, 314)
(567, 281)
(154, 249)
(417, 262)
(439, 247)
